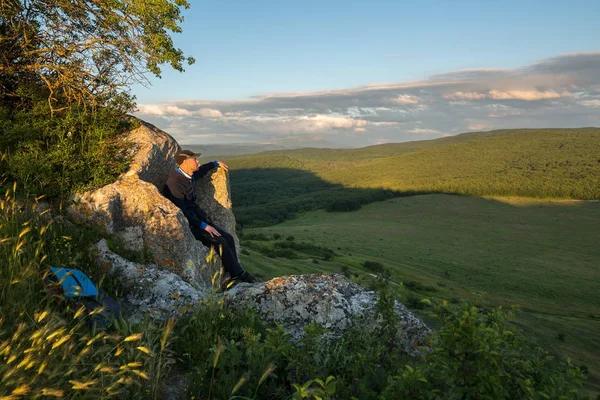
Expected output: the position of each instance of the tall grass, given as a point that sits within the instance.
(47, 348)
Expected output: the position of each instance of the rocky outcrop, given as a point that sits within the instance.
(214, 194)
(152, 153)
(153, 290)
(138, 213)
(133, 211)
(332, 301)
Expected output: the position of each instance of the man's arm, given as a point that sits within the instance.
(206, 168)
(195, 219)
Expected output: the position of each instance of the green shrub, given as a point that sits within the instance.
(73, 150)
(413, 302)
(477, 355)
(416, 285)
(308, 248)
(374, 266)
(343, 206)
(256, 236)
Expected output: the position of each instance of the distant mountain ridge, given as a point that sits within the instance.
(274, 144)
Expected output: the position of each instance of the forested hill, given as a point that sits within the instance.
(559, 163)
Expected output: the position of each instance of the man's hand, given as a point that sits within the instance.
(212, 231)
(223, 165)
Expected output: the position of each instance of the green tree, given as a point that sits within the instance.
(86, 51)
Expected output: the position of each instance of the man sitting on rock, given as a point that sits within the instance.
(181, 190)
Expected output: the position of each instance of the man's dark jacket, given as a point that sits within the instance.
(182, 191)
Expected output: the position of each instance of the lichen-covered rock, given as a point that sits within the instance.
(331, 301)
(152, 290)
(131, 205)
(132, 238)
(153, 153)
(214, 197)
(134, 209)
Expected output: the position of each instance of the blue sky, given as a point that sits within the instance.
(248, 50)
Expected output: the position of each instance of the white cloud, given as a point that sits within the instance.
(424, 131)
(175, 111)
(501, 111)
(163, 110)
(517, 94)
(356, 112)
(315, 123)
(527, 95)
(561, 91)
(404, 99)
(465, 95)
(590, 103)
(210, 113)
(383, 123)
(477, 127)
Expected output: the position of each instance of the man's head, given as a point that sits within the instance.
(187, 161)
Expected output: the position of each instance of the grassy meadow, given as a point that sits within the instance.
(543, 255)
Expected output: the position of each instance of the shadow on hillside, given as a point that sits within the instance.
(267, 196)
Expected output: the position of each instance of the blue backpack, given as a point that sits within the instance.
(75, 288)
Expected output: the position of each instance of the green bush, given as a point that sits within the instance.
(477, 355)
(374, 266)
(73, 150)
(343, 206)
(308, 248)
(474, 354)
(255, 236)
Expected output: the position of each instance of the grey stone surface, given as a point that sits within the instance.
(153, 153)
(130, 206)
(214, 196)
(134, 209)
(331, 301)
(152, 290)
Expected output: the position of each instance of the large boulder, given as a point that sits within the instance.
(214, 196)
(152, 153)
(153, 290)
(135, 212)
(332, 301)
(133, 208)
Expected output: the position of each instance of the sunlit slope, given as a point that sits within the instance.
(388, 149)
(534, 163)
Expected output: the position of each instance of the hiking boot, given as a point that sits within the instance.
(245, 277)
(227, 284)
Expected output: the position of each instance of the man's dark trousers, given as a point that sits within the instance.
(229, 256)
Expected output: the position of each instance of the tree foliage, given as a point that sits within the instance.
(86, 51)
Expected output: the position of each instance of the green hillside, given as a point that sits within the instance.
(542, 163)
(542, 255)
(388, 149)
